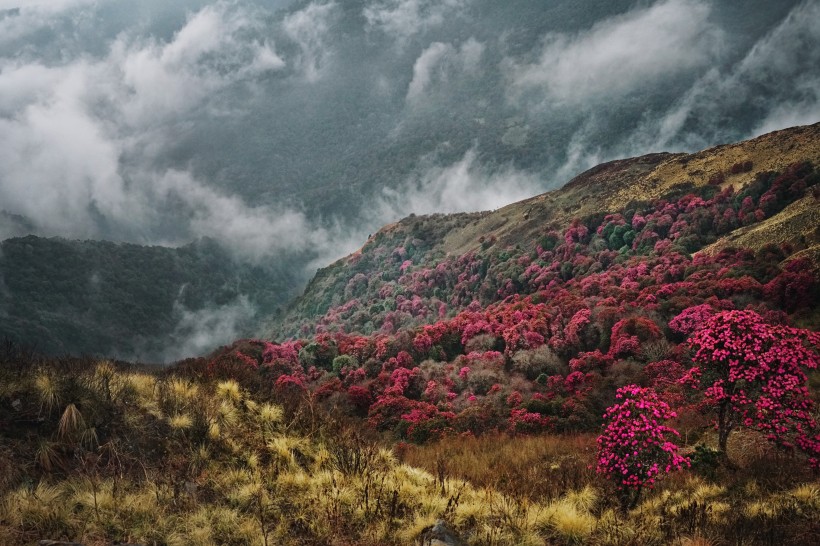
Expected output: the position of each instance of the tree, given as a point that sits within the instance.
(633, 450)
(752, 374)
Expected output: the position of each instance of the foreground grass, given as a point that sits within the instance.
(101, 454)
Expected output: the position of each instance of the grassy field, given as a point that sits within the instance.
(100, 454)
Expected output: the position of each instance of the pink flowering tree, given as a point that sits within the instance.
(634, 450)
(752, 374)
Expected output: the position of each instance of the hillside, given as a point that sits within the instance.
(392, 260)
(130, 301)
(545, 374)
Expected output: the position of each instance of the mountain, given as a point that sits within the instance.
(280, 126)
(424, 259)
(528, 375)
(160, 304)
(130, 301)
(288, 130)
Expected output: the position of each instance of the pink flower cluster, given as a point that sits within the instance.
(752, 374)
(633, 450)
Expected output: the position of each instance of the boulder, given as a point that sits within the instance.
(439, 534)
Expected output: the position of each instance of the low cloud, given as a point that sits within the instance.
(776, 83)
(251, 232)
(309, 28)
(439, 62)
(617, 56)
(198, 332)
(791, 52)
(464, 186)
(402, 19)
(79, 141)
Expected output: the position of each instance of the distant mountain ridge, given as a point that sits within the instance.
(129, 301)
(483, 243)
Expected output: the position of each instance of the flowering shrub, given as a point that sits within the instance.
(526, 422)
(634, 450)
(691, 318)
(568, 317)
(752, 374)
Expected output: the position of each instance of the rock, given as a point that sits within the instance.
(439, 534)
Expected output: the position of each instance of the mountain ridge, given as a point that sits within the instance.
(607, 188)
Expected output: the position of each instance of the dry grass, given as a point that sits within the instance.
(533, 467)
(197, 463)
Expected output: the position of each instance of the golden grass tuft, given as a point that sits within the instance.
(47, 390)
(271, 414)
(182, 392)
(180, 421)
(571, 523)
(227, 415)
(229, 391)
(808, 494)
(71, 424)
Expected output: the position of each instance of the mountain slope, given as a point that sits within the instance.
(129, 301)
(357, 293)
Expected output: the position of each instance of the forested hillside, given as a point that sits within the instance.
(424, 268)
(630, 360)
(130, 301)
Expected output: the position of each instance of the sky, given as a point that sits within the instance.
(158, 122)
(293, 126)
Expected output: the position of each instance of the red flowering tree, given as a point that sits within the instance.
(752, 374)
(634, 450)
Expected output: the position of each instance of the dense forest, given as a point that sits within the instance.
(130, 301)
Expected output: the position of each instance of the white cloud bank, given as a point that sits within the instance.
(402, 19)
(308, 28)
(618, 55)
(65, 130)
(463, 186)
(777, 77)
(438, 62)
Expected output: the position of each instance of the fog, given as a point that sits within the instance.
(301, 126)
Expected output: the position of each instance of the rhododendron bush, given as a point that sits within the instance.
(753, 374)
(635, 450)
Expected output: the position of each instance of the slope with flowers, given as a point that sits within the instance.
(534, 325)
(424, 267)
(460, 368)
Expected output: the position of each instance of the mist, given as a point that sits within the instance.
(293, 129)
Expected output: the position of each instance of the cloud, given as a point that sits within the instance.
(464, 186)
(439, 62)
(56, 161)
(309, 28)
(251, 232)
(618, 56)
(79, 140)
(402, 19)
(208, 54)
(790, 53)
(773, 86)
(44, 5)
(21, 18)
(198, 332)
